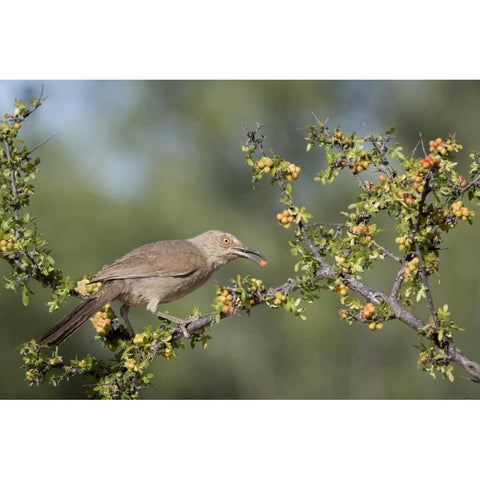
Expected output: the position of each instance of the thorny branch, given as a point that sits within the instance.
(208, 320)
(326, 272)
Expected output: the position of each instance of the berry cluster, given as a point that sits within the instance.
(85, 288)
(131, 365)
(411, 268)
(102, 321)
(285, 218)
(418, 183)
(256, 285)
(428, 162)
(359, 165)
(461, 182)
(368, 310)
(342, 289)
(403, 242)
(441, 147)
(291, 171)
(279, 299)
(460, 211)
(344, 264)
(7, 244)
(264, 164)
(364, 233)
(138, 338)
(30, 375)
(337, 138)
(283, 168)
(226, 299)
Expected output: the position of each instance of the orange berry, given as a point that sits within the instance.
(227, 309)
(263, 263)
(368, 310)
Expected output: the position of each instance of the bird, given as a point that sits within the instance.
(153, 274)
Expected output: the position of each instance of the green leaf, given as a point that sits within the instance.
(25, 295)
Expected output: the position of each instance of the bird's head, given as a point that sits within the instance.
(221, 247)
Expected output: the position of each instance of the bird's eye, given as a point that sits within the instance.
(226, 241)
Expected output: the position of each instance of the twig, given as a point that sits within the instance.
(397, 284)
(421, 143)
(13, 184)
(40, 100)
(387, 253)
(468, 186)
(415, 228)
(41, 144)
(207, 320)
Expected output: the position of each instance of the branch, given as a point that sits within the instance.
(387, 253)
(397, 284)
(13, 183)
(418, 252)
(326, 272)
(468, 186)
(208, 320)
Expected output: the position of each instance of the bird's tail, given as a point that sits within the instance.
(76, 318)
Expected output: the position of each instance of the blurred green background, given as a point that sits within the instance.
(137, 161)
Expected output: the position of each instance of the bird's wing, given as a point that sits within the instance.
(170, 258)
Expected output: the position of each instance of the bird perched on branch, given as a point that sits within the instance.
(155, 273)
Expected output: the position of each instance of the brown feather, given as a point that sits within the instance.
(76, 318)
(155, 260)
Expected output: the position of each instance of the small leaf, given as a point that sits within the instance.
(25, 296)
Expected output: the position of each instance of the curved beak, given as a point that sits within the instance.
(248, 253)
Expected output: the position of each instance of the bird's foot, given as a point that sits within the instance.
(182, 323)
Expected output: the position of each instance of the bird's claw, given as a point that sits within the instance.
(183, 329)
(181, 323)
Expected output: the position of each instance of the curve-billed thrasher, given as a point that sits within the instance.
(158, 272)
